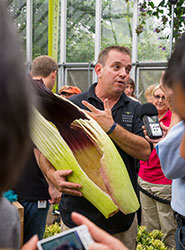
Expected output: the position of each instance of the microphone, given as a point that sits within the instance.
(148, 109)
(149, 114)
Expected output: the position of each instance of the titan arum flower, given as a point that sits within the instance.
(70, 139)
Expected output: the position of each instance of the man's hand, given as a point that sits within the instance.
(54, 194)
(132, 144)
(60, 182)
(103, 117)
(57, 177)
(103, 240)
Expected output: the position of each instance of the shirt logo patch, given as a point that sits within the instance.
(127, 118)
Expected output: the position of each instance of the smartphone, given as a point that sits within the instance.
(152, 126)
(77, 238)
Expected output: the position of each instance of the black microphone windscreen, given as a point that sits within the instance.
(148, 109)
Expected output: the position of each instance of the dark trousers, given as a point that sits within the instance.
(34, 219)
(180, 238)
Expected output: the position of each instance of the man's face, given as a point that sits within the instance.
(115, 73)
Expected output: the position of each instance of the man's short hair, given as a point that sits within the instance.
(43, 66)
(104, 53)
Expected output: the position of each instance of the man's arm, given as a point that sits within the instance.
(132, 144)
(53, 191)
(57, 177)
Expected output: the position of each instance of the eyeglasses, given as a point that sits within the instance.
(158, 97)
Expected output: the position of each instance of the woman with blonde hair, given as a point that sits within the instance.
(155, 188)
(148, 93)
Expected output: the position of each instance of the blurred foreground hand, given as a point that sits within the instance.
(103, 240)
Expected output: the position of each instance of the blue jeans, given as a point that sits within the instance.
(34, 219)
(180, 238)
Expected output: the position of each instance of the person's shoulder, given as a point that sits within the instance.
(84, 95)
(7, 208)
(133, 104)
(77, 99)
(133, 100)
(177, 130)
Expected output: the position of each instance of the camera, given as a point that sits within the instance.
(77, 238)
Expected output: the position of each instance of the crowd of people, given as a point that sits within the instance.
(112, 103)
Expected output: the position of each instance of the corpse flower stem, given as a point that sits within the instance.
(49, 141)
(71, 139)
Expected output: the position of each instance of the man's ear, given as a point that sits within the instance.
(98, 69)
(53, 76)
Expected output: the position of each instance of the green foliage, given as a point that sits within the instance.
(80, 30)
(116, 26)
(146, 240)
(51, 230)
(150, 240)
(163, 12)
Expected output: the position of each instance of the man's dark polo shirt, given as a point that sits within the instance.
(126, 113)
